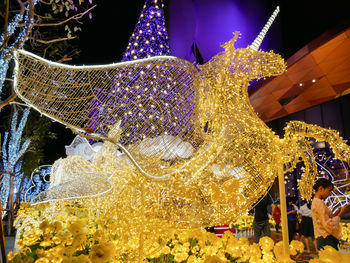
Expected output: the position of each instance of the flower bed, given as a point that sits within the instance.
(75, 234)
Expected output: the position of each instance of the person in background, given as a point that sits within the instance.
(306, 229)
(261, 219)
(292, 211)
(276, 214)
(326, 224)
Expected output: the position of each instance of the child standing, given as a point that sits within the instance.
(326, 224)
(292, 211)
(306, 229)
(276, 214)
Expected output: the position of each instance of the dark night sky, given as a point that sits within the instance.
(105, 37)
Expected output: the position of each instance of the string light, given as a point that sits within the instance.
(148, 27)
(150, 37)
(327, 166)
(192, 99)
(217, 160)
(12, 151)
(6, 53)
(38, 182)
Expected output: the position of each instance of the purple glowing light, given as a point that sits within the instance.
(150, 37)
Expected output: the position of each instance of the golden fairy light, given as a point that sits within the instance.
(194, 151)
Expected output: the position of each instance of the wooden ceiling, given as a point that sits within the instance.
(317, 73)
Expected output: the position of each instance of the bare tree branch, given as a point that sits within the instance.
(53, 40)
(46, 3)
(75, 17)
(6, 21)
(43, 17)
(8, 100)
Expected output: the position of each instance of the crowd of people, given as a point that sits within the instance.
(313, 223)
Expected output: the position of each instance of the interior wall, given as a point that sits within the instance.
(212, 23)
(333, 114)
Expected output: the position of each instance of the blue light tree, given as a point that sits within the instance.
(14, 37)
(11, 169)
(27, 20)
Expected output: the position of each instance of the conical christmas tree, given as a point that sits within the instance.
(150, 37)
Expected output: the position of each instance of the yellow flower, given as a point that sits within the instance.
(179, 257)
(81, 259)
(40, 252)
(101, 253)
(79, 241)
(266, 244)
(285, 259)
(25, 205)
(68, 251)
(57, 240)
(243, 241)
(77, 228)
(67, 259)
(329, 254)
(253, 252)
(42, 260)
(165, 250)
(45, 243)
(99, 235)
(213, 259)
(296, 247)
(57, 226)
(44, 225)
(228, 235)
(64, 235)
(20, 244)
(81, 213)
(53, 257)
(268, 257)
(234, 250)
(28, 259)
(10, 255)
(191, 259)
(211, 237)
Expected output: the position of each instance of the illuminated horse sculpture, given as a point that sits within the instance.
(152, 107)
(200, 154)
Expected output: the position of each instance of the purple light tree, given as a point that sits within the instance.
(150, 37)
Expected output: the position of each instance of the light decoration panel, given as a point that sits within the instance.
(221, 128)
(195, 153)
(205, 113)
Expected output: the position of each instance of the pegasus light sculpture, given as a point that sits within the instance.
(195, 153)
